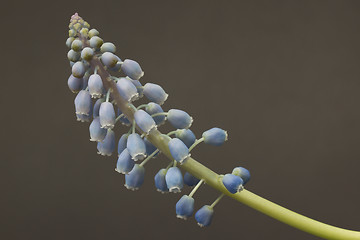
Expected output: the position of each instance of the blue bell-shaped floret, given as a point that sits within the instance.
(243, 173)
(178, 150)
(160, 182)
(138, 86)
(153, 108)
(107, 146)
(83, 117)
(215, 136)
(185, 207)
(83, 104)
(187, 136)
(155, 93)
(174, 180)
(127, 89)
(97, 107)
(75, 84)
(233, 183)
(145, 122)
(96, 87)
(97, 133)
(190, 180)
(107, 115)
(136, 146)
(135, 178)
(122, 143)
(204, 216)
(132, 69)
(124, 163)
(179, 119)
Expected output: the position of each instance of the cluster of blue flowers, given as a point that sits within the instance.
(88, 53)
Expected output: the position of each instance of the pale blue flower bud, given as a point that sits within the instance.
(125, 163)
(178, 150)
(107, 115)
(243, 173)
(160, 182)
(73, 56)
(135, 178)
(145, 122)
(155, 93)
(179, 119)
(75, 84)
(122, 143)
(132, 69)
(78, 69)
(127, 89)
(96, 42)
(185, 207)
(215, 136)
(69, 41)
(232, 183)
(96, 132)
(174, 180)
(96, 87)
(97, 107)
(109, 59)
(93, 32)
(190, 180)
(83, 104)
(87, 54)
(153, 108)
(136, 146)
(108, 47)
(76, 45)
(107, 146)
(187, 136)
(204, 216)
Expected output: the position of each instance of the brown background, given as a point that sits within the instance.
(281, 76)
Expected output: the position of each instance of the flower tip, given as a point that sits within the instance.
(131, 187)
(181, 217)
(174, 189)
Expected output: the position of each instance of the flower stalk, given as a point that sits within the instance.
(211, 178)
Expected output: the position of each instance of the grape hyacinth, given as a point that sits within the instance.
(91, 60)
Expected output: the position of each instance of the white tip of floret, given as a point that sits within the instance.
(181, 217)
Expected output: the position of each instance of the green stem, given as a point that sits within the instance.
(159, 114)
(120, 116)
(108, 95)
(172, 132)
(169, 166)
(149, 157)
(196, 143)
(213, 180)
(142, 106)
(133, 126)
(217, 200)
(196, 188)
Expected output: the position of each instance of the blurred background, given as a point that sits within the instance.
(282, 77)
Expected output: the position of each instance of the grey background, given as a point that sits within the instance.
(281, 76)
